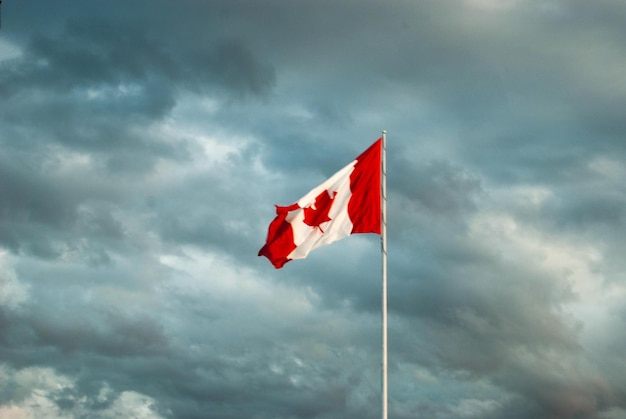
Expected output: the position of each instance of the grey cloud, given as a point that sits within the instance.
(46, 214)
(111, 335)
(93, 53)
(28, 205)
(438, 187)
(497, 112)
(99, 83)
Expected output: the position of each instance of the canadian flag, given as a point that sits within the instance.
(348, 202)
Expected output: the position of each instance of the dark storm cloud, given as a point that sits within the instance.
(89, 50)
(107, 334)
(94, 87)
(29, 204)
(97, 85)
(145, 143)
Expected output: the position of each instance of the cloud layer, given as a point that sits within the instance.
(144, 144)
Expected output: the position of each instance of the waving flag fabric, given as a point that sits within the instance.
(348, 202)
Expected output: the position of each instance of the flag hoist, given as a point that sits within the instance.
(353, 200)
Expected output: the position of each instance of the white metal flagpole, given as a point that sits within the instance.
(384, 266)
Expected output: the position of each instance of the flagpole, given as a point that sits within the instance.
(384, 269)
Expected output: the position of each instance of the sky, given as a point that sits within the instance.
(144, 144)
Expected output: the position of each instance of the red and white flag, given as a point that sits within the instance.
(348, 202)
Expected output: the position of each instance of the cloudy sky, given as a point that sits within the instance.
(143, 145)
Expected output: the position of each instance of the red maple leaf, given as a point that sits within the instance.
(317, 213)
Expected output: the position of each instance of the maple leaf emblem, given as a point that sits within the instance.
(317, 213)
